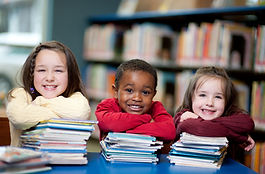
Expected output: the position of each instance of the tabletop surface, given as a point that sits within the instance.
(97, 164)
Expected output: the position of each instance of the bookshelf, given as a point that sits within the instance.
(242, 64)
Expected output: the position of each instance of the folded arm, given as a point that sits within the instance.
(236, 127)
(74, 107)
(23, 113)
(162, 125)
(111, 118)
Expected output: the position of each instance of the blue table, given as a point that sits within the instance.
(97, 164)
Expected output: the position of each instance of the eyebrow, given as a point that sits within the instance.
(129, 84)
(57, 66)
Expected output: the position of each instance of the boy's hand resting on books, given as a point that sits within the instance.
(186, 115)
(249, 144)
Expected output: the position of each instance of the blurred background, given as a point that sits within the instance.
(26, 23)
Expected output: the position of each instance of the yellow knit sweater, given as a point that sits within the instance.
(23, 113)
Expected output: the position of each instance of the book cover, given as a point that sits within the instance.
(11, 154)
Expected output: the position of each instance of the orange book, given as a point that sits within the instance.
(256, 157)
(207, 37)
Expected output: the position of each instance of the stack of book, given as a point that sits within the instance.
(198, 151)
(126, 147)
(20, 160)
(64, 140)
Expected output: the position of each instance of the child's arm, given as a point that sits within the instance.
(187, 115)
(111, 117)
(23, 113)
(235, 127)
(162, 125)
(74, 107)
(249, 144)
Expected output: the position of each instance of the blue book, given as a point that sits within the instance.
(130, 137)
(65, 126)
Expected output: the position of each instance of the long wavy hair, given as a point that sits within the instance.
(75, 83)
(230, 93)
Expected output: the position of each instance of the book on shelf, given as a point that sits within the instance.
(99, 79)
(127, 147)
(216, 43)
(257, 104)
(259, 63)
(198, 151)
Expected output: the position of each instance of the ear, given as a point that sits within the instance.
(154, 93)
(115, 90)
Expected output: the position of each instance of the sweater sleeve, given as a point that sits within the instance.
(111, 117)
(74, 107)
(22, 113)
(162, 126)
(235, 127)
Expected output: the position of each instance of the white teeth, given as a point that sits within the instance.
(49, 86)
(135, 106)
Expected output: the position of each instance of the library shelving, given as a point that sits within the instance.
(176, 43)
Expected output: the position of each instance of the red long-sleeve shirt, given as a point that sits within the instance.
(111, 118)
(235, 127)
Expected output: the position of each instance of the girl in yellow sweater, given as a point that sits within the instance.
(52, 88)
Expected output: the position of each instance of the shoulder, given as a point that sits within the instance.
(77, 94)
(157, 103)
(110, 104)
(110, 101)
(16, 92)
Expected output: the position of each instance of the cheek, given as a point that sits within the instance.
(36, 80)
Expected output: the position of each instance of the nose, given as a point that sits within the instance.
(137, 96)
(209, 101)
(50, 76)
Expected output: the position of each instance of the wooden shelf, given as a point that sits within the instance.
(4, 128)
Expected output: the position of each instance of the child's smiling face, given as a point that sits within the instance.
(208, 100)
(135, 91)
(50, 73)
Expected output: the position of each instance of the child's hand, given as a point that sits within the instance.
(249, 144)
(186, 115)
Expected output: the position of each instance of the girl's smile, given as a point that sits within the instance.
(50, 73)
(208, 100)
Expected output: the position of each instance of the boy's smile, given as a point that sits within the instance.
(135, 92)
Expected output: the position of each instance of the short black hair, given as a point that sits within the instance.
(134, 65)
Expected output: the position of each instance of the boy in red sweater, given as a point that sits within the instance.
(133, 110)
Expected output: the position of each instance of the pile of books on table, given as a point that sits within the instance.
(126, 147)
(64, 140)
(198, 151)
(20, 160)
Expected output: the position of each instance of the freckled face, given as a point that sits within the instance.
(135, 92)
(50, 73)
(208, 100)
